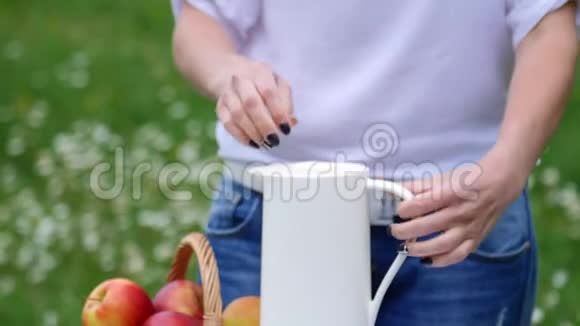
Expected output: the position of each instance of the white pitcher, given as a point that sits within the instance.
(316, 268)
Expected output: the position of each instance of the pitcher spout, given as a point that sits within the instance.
(376, 302)
(374, 308)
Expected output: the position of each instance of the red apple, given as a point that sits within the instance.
(117, 302)
(181, 296)
(243, 312)
(171, 318)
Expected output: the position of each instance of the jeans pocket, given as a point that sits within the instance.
(510, 238)
(500, 257)
(233, 208)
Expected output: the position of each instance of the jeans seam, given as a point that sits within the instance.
(531, 282)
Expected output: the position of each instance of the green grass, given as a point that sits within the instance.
(81, 78)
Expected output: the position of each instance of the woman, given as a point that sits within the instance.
(450, 82)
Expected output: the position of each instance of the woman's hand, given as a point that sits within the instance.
(462, 206)
(465, 204)
(254, 103)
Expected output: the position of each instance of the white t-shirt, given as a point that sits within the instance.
(401, 86)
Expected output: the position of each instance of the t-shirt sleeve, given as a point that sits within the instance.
(524, 15)
(238, 17)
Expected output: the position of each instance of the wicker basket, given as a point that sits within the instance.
(212, 301)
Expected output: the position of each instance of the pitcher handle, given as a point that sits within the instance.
(397, 190)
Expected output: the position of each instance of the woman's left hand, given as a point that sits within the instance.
(462, 206)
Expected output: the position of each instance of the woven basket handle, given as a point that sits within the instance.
(212, 301)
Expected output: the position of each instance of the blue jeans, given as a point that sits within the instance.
(495, 285)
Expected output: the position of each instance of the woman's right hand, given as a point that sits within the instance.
(255, 104)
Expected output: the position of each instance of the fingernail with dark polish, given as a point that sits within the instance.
(273, 139)
(427, 261)
(253, 144)
(403, 247)
(285, 128)
(397, 219)
(267, 145)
